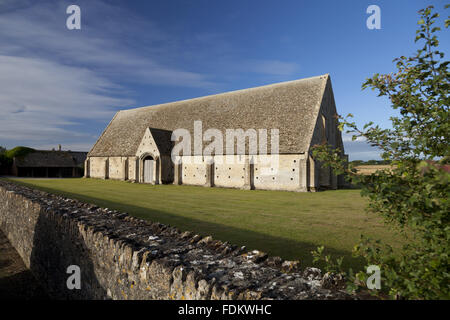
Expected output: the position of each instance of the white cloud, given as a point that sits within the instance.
(102, 44)
(55, 82)
(347, 137)
(35, 85)
(359, 149)
(41, 100)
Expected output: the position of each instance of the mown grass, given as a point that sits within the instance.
(286, 224)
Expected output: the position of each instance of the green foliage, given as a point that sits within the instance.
(370, 162)
(413, 195)
(4, 161)
(18, 152)
(330, 264)
(354, 281)
(357, 162)
(6, 156)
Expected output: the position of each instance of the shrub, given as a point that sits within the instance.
(413, 195)
(18, 152)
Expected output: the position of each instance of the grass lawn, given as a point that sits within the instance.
(286, 224)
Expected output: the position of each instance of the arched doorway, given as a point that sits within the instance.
(148, 169)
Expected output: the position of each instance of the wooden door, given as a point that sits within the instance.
(148, 171)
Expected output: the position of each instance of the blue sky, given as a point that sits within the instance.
(60, 86)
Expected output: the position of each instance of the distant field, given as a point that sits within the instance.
(369, 169)
(287, 224)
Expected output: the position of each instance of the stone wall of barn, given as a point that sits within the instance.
(118, 168)
(286, 172)
(289, 172)
(194, 171)
(326, 131)
(231, 175)
(133, 163)
(98, 167)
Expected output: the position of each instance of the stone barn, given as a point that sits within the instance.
(137, 144)
(49, 164)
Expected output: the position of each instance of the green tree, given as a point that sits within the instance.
(18, 152)
(4, 161)
(413, 196)
(357, 162)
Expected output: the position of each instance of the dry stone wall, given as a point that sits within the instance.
(122, 257)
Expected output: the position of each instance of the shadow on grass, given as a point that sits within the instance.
(276, 246)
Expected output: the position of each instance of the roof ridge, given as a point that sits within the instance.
(323, 76)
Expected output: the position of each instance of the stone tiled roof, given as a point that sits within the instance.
(292, 107)
(44, 158)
